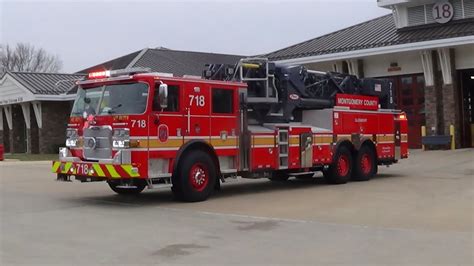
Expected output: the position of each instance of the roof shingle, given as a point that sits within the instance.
(378, 32)
(46, 83)
(166, 60)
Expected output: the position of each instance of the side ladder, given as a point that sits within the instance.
(283, 148)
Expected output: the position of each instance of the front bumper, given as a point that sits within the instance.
(96, 170)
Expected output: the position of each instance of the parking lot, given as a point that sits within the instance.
(420, 211)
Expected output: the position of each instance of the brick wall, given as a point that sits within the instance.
(18, 135)
(53, 133)
(450, 102)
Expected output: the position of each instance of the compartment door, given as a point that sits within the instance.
(306, 148)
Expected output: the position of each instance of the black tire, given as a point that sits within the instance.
(339, 172)
(365, 164)
(279, 176)
(195, 179)
(139, 187)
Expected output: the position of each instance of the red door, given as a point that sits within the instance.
(410, 97)
(197, 102)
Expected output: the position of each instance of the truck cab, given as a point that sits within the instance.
(130, 129)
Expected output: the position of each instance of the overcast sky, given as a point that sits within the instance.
(86, 33)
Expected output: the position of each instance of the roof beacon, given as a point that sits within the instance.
(118, 72)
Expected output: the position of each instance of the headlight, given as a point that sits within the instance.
(71, 142)
(120, 143)
(71, 137)
(121, 138)
(63, 152)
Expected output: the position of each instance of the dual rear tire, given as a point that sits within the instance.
(365, 164)
(360, 167)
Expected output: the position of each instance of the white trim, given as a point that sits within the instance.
(225, 147)
(138, 57)
(263, 146)
(8, 115)
(444, 57)
(1, 119)
(25, 107)
(382, 50)
(38, 113)
(427, 64)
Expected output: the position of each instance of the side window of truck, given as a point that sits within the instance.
(173, 99)
(222, 101)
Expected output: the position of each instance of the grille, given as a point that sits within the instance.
(98, 143)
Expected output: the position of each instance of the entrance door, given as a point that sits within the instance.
(410, 97)
(467, 108)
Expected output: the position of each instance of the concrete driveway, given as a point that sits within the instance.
(420, 211)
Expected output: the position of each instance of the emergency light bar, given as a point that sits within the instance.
(118, 72)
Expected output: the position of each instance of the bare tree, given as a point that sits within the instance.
(27, 58)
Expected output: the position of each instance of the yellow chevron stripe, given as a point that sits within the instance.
(112, 171)
(98, 170)
(67, 166)
(55, 167)
(128, 169)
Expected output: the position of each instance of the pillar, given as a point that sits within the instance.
(449, 93)
(431, 92)
(1, 126)
(25, 108)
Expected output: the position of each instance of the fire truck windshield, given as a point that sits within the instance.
(130, 98)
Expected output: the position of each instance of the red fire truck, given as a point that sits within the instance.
(257, 119)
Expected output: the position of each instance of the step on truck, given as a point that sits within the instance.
(135, 129)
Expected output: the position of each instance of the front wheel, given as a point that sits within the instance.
(340, 170)
(196, 177)
(134, 188)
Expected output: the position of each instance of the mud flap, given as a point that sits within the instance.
(306, 148)
(398, 140)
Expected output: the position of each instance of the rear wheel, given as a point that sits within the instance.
(365, 165)
(132, 188)
(196, 177)
(339, 172)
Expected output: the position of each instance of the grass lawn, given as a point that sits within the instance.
(32, 157)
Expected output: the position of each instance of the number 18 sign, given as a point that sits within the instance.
(443, 12)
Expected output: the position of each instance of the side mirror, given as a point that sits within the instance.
(163, 95)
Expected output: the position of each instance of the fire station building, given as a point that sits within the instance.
(34, 111)
(425, 47)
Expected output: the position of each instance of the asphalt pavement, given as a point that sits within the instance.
(418, 212)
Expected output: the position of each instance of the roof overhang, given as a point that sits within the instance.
(20, 94)
(415, 46)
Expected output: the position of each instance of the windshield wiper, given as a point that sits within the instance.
(111, 111)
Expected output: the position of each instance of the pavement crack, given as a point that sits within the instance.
(177, 250)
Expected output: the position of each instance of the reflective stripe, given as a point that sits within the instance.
(67, 166)
(98, 170)
(112, 171)
(128, 169)
(55, 167)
